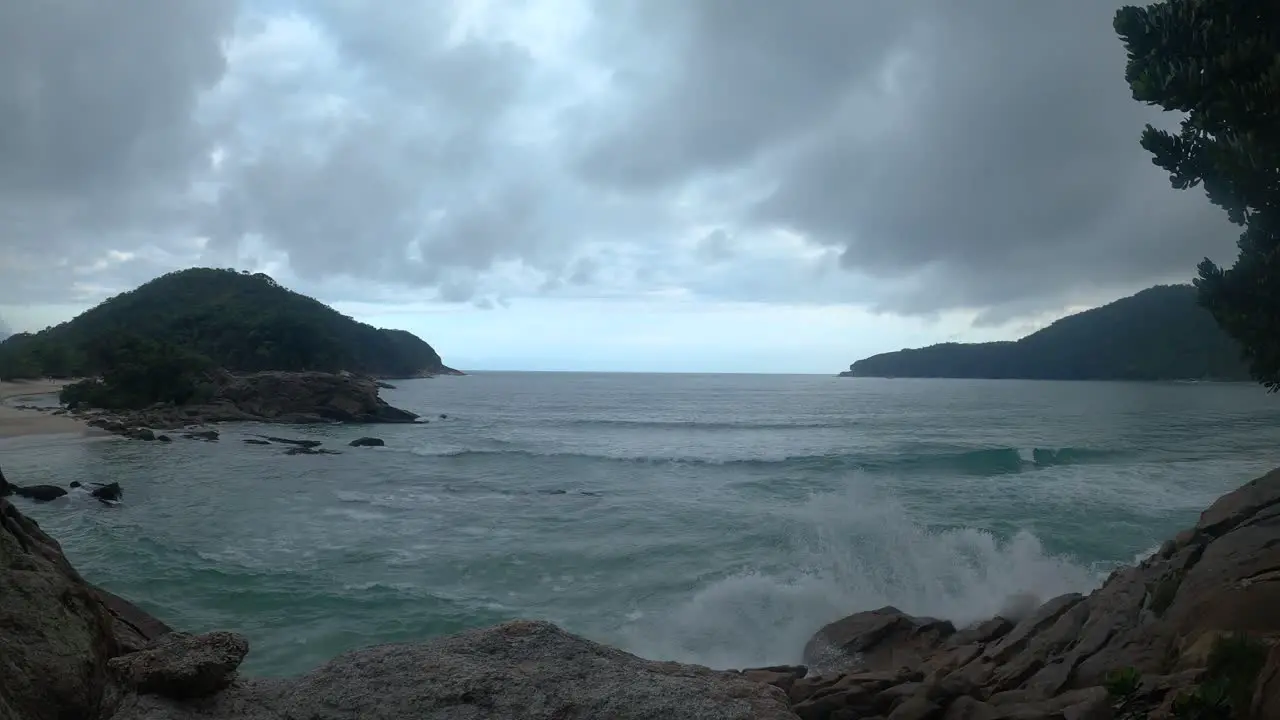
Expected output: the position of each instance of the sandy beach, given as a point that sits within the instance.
(15, 423)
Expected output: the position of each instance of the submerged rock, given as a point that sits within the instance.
(367, 442)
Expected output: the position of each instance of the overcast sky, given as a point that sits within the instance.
(738, 185)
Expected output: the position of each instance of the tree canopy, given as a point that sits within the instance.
(217, 318)
(1218, 63)
(1160, 333)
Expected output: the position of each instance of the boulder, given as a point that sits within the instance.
(884, 639)
(367, 442)
(56, 638)
(39, 493)
(182, 666)
(206, 435)
(310, 451)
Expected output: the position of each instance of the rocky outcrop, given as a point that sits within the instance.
(181, 666)
(56, 636)
(514, 671)
(1191, 616)
(273, 397)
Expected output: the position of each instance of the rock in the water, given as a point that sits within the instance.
(367, 442)
(142, 434)
(182, 666)
(288, 441)
(55, 636)
(310, 451)
(110, 492)
(40, 493)
(206, 435)
(256, 441)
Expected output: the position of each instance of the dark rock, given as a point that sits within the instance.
(310, 451)
(967, 708)
(110, 492)
(288, 441)
(56, 638)
(142, 434)
(164, 438)
(39, 493)
(182, 666)
(443, 416)
(884, 639)
(916, 708)
(367, 442)
(255, 441)
(328, 397)
(385, 385)
(205, 435)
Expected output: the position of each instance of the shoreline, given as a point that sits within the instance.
(21, 424)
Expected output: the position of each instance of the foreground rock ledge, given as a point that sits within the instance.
(518, 670)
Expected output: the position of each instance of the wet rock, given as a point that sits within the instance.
(884, 639)
(39, 493)
(289, 441)
(182, 666)
(310, 451)
(367, 442)
(256, 441)
(164, 438)
(916, 708)
(141, 433)
(205, 435)
(1266, 689)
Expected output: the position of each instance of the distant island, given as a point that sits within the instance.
(1160, 333)
(236, 321)
(221, 345)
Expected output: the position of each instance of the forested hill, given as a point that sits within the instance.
(1160, 333)
(234, 320)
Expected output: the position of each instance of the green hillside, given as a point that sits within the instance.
(234, 320)
(1160, 333)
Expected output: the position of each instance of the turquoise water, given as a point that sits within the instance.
(714, 519)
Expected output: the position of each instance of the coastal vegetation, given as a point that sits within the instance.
(157, 343)
(1217, 62)
(1158, 334)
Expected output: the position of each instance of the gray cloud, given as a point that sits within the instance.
(97, 141)
(983, 153)
(914, 155)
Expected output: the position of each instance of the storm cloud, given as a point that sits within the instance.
(913, 156)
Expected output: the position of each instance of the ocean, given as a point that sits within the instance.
(717, 519)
